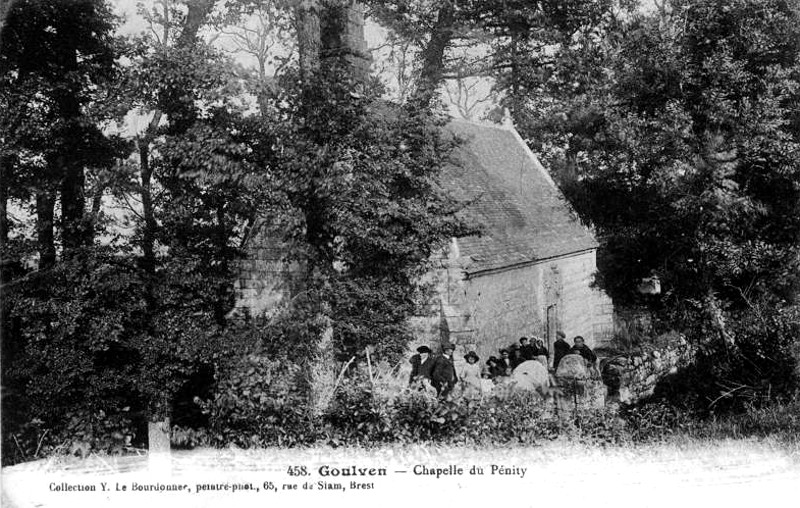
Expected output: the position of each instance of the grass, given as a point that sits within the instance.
(736, 460)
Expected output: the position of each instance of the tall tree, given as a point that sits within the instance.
(506, 41)
(356, 176)
(173, 274)
(55, 58)
(681, 149)
(191, 164)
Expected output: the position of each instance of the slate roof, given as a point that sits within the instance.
(524, 216)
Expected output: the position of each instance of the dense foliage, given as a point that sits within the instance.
(674, 133)
(56, 62)
(261, 410)
(356, 177)
(128, 314)
(135, 169)
(250, 413)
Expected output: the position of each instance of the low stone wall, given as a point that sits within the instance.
(633, 377)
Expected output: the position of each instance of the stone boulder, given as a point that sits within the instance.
(572, 368)
(531, 375)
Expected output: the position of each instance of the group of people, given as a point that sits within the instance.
(440, 373)
(511, 357)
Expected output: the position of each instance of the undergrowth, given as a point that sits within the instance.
(262, 404)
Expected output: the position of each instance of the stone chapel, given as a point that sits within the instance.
(530, 271)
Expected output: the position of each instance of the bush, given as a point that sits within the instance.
(356, 416)
(260, 402)
(83, 432)
(656, 421)
(96, 431)
(418, 416)
(29, 440)
(187, 438)
(780, 420)
(519, 418)
(758, 367)
(81, 343)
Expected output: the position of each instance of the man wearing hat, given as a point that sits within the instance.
(421, 365)
(443, 375)
(560, 348)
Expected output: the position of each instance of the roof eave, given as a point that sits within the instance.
(505, 268)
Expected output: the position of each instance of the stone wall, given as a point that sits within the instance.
(266, 280)
(479, 313)
(633, 377)
(581, 309)
(502, 307)
(486, 311)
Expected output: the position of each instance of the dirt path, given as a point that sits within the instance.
(723, 473)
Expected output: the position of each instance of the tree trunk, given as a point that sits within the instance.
(717, 318)
(196, 16)
(69, 167)
(149, 230)
(321, 363)
(322, 372)
(158, 441)
(221, 305)
(159, 411)
(515, 78)
(4, 176)
(74, 230)
(158, 421)
(45, 204)
(97, 204)
(7, 258)
(5, 6)
(308, 38)
(158, 435)
(432, 70)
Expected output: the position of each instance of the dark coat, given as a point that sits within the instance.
(415, 361)
(542, 351)
(561, 349)
(503, 366)
(420, 369)
(443, 375)
(426, 369)
(528, 352)
(496, 369)
(585, 352)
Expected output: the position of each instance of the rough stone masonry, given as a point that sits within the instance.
(634, 377)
